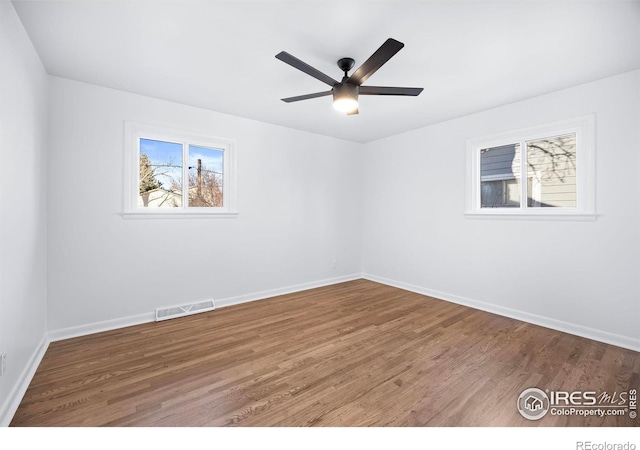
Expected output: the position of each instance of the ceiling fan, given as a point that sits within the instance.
(346, 92)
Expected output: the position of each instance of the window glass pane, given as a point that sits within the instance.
(551, 165)
(160, 174)
(206, 166)
(500, 176)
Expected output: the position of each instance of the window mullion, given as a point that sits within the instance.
(185, 175)
(523, 175)
(135, 189)
(478, 173)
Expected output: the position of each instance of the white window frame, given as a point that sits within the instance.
(134, 131)
(584, 129)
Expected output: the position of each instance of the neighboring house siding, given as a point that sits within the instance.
(160, 198)
(499, 170)
(552, 169)
(501, 161)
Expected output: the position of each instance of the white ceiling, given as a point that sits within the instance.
(219, 55)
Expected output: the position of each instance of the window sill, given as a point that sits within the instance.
(555, 216)
(179, 215)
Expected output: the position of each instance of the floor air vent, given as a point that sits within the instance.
(184, 310)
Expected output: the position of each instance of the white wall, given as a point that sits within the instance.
(299, 203)
(585, 274)
(23, 276)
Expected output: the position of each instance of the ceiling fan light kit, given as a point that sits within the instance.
(346, 92)
(345, 97)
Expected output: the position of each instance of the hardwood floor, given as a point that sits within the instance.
(353, 354)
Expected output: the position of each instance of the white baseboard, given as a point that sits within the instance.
(285, 290)
(10, 406)
(99, 327)
(627, 342)
(114, 324)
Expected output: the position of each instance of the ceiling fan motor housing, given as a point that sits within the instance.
(345, 90)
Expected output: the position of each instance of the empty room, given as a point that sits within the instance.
(320, 214)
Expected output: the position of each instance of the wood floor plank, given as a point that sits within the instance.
(352, 354)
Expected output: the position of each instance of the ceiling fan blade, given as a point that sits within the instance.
(375, 61)
(383, 90)
(306, 97)
(353, 112)
(306, 68)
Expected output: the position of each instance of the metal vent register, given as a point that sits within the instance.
(184, 310)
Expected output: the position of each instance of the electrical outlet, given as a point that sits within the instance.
(3, 363)
(335, 263)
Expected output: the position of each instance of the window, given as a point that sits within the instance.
(538, 172)
(175, 173)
